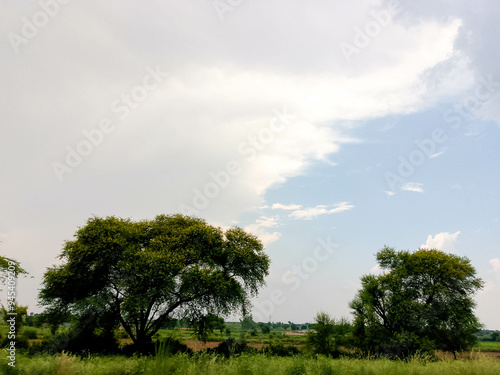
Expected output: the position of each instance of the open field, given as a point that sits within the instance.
(488, 346)
(484, 359)
(245, 364)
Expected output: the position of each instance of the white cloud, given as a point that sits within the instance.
(495, 263)
(389, 193)
(438, 154)
(413, 186)
(309, 213)
(442, 241)
(260, 229)
(279, 206)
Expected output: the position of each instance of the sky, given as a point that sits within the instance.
(329, 129)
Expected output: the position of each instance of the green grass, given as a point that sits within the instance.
(488, 346)
(246, 364)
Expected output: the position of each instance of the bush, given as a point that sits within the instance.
(30, 333)
(171, 346)
(78, 342)
(163, 347)
(280, 350)
(232, 347)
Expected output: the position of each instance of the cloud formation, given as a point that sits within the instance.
(261, 229)
(312, 212)
(444, 241)
(279, 206)
(413, 186)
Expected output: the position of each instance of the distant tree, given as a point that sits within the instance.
(266, 329)
(494, 336)
(207, 324)
(247, 323)
(423, 301)
(140, 274)
(328, 335)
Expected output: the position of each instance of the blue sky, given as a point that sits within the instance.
(328, 129)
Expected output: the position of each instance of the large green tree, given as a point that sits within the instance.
(139, 274)
(422, 301)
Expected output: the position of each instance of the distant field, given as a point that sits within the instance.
(488, 346)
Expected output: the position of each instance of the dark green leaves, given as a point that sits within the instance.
(145, 272)
(426, 294)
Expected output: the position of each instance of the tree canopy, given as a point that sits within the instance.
(139, 274)
(423, 301)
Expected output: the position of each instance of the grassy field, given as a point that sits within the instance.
(245, 364)
(488, 346)
(481, 361)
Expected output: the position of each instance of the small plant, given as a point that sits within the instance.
(30, 333)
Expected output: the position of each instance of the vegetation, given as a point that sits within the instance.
(163, 284)
(183, 364)
(328, 335)
(422, 302)
(139, 274)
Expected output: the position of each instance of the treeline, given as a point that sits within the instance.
(488, 335)
(139, 277)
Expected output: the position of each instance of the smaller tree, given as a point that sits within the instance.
(247, 323)
(328, 335)
(207, 324)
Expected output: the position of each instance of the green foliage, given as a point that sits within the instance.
(19, 319)
(182, 364)
(6, 265)
(422, 302)
(266, 329)
(280, 350)
(231, 347)
(207, 324)
(30, 333)
(140, 274)
(247, 323)
(328, 335)
(170, 346)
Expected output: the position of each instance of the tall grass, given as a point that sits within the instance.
(64, 364)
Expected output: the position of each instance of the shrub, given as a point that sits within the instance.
(30, 333)
(232, 347)
(280, 350)
(171, 346)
